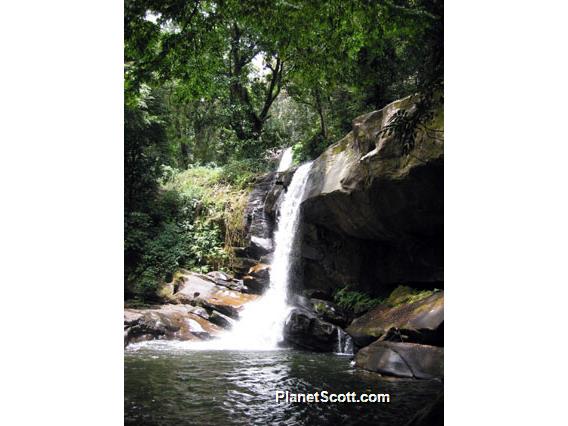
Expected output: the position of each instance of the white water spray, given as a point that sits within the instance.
(286, 160)
(262, 322)
(344, 343)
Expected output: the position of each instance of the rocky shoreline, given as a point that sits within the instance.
(402, 341)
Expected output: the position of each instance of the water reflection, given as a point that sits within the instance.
(165, 384)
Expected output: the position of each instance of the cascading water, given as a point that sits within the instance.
(261, 324)
(285, 160)
(344, 343)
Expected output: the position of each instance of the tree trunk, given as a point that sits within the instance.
(319, 108)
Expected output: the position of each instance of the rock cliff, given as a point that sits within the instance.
(373, 213)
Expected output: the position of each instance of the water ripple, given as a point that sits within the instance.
(184, 387)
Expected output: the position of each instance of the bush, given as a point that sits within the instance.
(355, 301)
(242, 173)
(205, 248)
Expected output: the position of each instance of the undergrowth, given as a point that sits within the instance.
(193, 222)
(359, 302)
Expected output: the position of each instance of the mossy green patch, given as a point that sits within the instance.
(320, 308)
(406, 295)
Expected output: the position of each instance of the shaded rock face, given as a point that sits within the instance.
(373, 215)
(304, 330)
(330, 312)
(252, 263)
(259, 223)
(421, 322)
(257, 279)
(402, 360)
(260, 214)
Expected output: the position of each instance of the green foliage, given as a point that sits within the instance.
(173, 219)
(155, 245)
(355, 301)
(224, 66)
(176, 232)
(145, 149)
(242, 173)
(217, 204)
(310, 148)
(205, 247)
(211, 87)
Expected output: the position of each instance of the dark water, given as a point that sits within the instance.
(169, 385)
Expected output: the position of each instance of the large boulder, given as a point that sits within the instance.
(373, 212)
(330, 312)
(402, 360)
(257, 279)
(172, 322)
(304, 330)
(417, 321)
(196, 289)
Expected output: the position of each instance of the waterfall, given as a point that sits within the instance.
(262, 322)
(344, 343)
(285, 160)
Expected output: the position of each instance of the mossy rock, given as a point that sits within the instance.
(418, 321)
(404, 294)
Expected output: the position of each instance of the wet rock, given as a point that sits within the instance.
(421, 321)
(227, 310)
(200, 290)
(240, 251)
(260, 270)
(258, 223)
(241, 265)
(255, 285)
(221, 320)
(260, 246)
(225, 280)
(175, 322)
(402, 360)
(257, 279)
(219, 276)
(304, 330)
(330, 312)
(317, 294)
(199, 311)
(274, 196)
